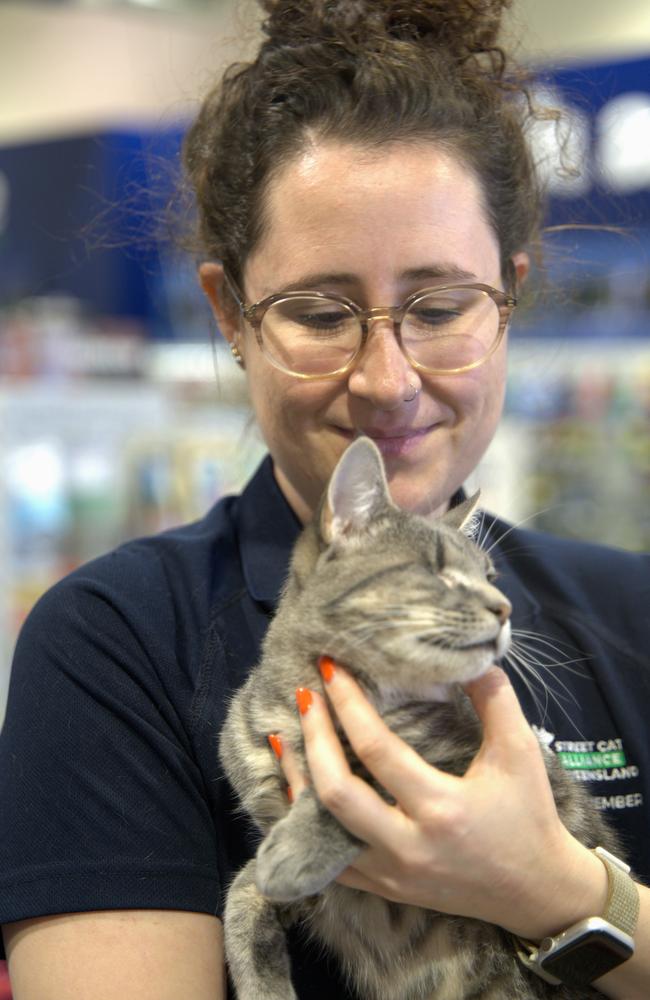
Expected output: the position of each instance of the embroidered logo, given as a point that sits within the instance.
(596, 761)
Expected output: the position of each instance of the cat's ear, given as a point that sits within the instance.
(463, 517)
(357, 491)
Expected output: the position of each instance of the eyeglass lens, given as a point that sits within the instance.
(443, 331)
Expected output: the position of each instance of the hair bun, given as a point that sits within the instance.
(463, 27)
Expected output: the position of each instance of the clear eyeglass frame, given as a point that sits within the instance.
(254, 315)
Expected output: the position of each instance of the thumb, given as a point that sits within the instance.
(505, 727)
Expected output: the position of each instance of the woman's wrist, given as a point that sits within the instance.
(571, 884)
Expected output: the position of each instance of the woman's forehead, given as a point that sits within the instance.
(337, 209)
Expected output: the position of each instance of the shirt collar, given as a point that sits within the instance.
(267, 528)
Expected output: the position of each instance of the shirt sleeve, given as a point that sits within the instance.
(103, 803)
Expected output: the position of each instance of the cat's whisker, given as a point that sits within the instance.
(380, 624)
(520, 549)
(412, 621)
(521, 659)
(540, 637)
(525, 672)
(482, 539)
(530, 641)
(540, 656)
(518, 524)
(529, 673)
(536, 667)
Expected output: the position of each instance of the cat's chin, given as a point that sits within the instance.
(439, 692)
(394, 697)
(504, 639)
(390, 696)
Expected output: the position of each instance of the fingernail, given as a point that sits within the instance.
(276, 744)
(303, 699)
(289, 794)
(326, 666)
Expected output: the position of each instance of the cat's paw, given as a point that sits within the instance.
(304, 852)
(285, 873)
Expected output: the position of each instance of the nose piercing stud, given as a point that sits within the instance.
(414, 392)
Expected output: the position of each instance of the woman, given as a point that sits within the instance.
(371, 153)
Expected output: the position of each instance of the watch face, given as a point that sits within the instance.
(588, 955)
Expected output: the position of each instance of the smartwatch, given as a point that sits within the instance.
(590, 948)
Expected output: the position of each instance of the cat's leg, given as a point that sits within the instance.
(304, 852)
(255, 942)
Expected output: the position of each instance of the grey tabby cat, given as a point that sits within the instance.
(360, 573)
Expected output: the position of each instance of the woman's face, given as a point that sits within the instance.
(375, 227)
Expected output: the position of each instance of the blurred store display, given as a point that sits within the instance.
(573, 454)
(86, 463)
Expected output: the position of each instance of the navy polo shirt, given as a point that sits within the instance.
(111, 794)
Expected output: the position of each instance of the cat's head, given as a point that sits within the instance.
(410, 601)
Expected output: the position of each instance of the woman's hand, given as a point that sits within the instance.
(488, 845)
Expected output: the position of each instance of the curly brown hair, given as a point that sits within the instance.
(369, 72)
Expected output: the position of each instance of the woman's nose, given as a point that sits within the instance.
(382, 374)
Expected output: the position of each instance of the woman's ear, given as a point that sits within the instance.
(521, 266)
(225, 309)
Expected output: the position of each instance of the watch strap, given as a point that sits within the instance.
(528, 953)
(622, 907)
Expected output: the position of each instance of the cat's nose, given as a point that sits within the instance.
(502, 608)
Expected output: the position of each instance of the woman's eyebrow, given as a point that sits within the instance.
(450, 272)
(320, 278)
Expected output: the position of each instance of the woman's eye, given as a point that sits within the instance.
(322, 320)
(433, 317)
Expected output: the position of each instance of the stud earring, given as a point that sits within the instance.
(236, 355)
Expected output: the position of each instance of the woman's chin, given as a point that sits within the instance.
(416, 499)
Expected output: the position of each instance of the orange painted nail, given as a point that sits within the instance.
(326, 666)
(303, 699)
(276, 744)
(289, 793)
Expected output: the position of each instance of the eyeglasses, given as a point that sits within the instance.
(444, 330)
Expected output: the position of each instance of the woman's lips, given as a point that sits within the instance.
(391, 443)
(396, 445)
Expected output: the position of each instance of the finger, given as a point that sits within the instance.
(293, 774)
(377, 871)
(354, 803)
(296, 777)
(353, 878)
(395, 765)
(506, 732)
(388, 887)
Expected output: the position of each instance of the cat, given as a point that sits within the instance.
(409, 607)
